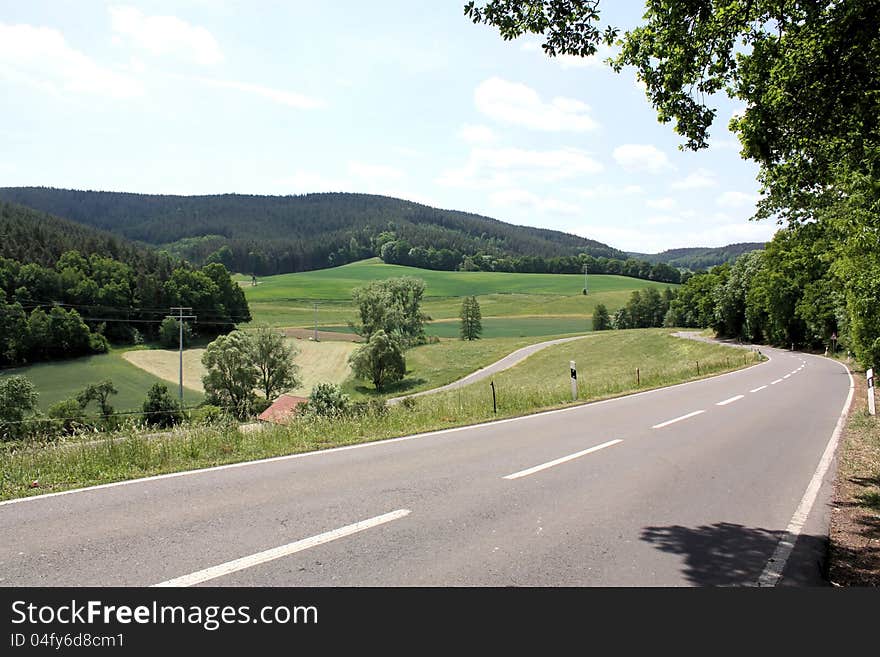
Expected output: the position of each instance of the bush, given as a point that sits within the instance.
(169, 333)
(208, 414)
(67, 417)
(160, 408)
(371, 407)
(18, 401)
(328, 399)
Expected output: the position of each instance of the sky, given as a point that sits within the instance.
(404, 99)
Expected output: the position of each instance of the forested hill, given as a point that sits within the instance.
(67, 290)
(699, 258)
(275, 234)
(30, 236)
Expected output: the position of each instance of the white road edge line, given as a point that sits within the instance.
(730, 401)
(372, 443)
(758, 389)
(787, 376)
(285, 550)
(773, 383)
(677, 419)
(776, 564)
(570, 457)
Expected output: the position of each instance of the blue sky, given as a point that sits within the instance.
(405, 99)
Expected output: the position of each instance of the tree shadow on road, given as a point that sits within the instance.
(728, 554)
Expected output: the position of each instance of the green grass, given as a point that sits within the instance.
(608, 361)
(541, 382)
(337, 283)
(61, 380)
(288, 299)
(434, 365)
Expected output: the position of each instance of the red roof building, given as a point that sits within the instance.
(282, 409)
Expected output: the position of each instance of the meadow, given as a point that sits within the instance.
(539, 383)
(60, 380)
(289, 299)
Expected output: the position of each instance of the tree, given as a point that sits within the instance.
(169, 333)
(18, 401)
(380, 360)
(328, 399)
(392, 306)
(160, 408)
(471, 319)
(231, 376)
(100, 393)
(601, 318)
(273, 359)
(67, 416)
(807, 74)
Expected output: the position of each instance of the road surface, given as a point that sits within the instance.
(699, 484)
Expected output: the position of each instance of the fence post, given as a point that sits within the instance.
(870, 374)
(638, 377)
(698, 368)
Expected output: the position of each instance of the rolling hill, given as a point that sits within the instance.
(278, 234)
(697, 258)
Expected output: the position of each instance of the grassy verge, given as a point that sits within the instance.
(524, 389)
(434, 365)
(854, 555)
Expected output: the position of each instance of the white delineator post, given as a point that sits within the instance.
(871, 409)
(574, 380)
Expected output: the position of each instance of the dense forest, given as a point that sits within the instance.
(67, 290)
(790, 293)
(699, 258)
(278, 234)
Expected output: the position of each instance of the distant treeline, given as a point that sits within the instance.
(795, 292)
(400, 252)
(64, 303)
(278, 234)
(700, 258)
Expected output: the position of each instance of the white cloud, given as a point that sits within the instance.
(661, 203)
(518, 104)
(699, 179)
(642, 158)
(165, 35)
(524, 199)
(737, 200)
(662, 235)
(663, 220)
(374, 172)
(605, 190)
(502, 167)
(40, 57)
(298, 101)
(303, 182)
(726, 144)
(476, 134)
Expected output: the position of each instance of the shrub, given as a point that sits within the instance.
(328, 399)
(160, 408)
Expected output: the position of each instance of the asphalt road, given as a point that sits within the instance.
(611, 493)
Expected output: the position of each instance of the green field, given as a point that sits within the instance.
(502, 327)
(337, 283)
(289, 299)
(63, 379)
(607, 363)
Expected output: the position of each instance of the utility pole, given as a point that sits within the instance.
(316, 322)
(180, 317)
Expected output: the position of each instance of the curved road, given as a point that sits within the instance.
(706, 483)
(511, 359)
